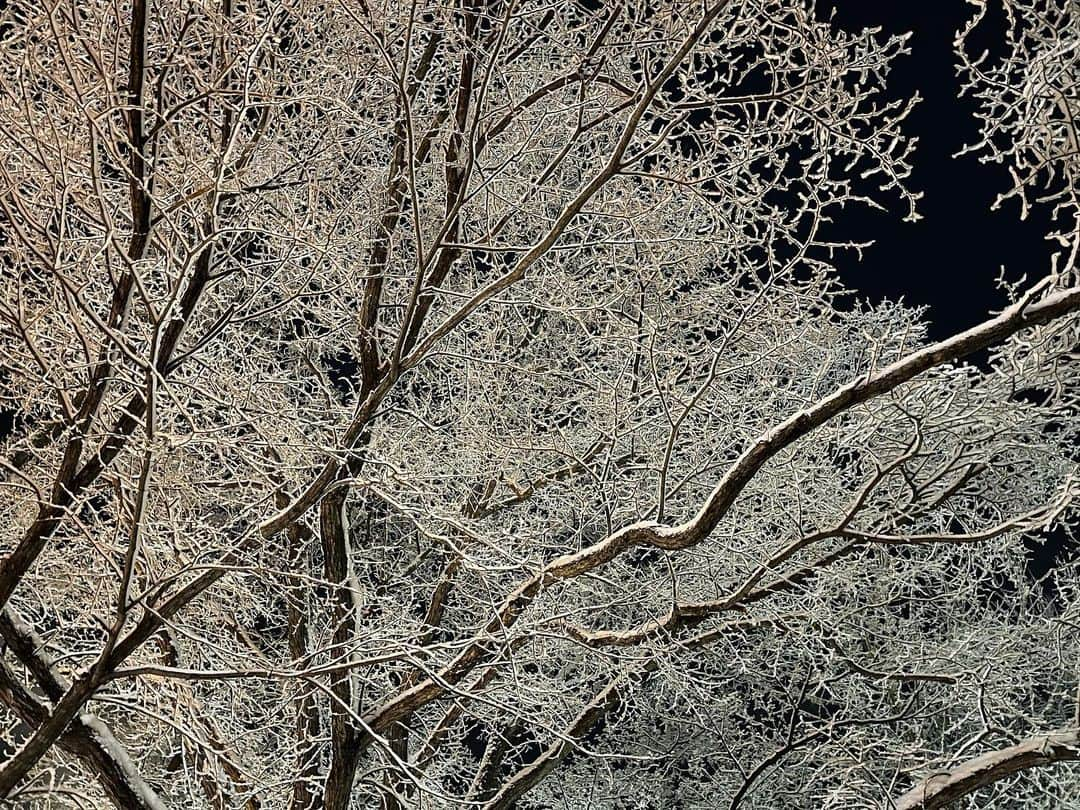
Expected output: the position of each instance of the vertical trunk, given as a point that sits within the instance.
(343, 735)
(397, 785)
(305, 781)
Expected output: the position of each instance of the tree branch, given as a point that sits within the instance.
(945, 787)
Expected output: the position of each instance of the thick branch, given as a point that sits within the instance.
(528, 777)
(945, 787)
(87, 737)
(672, 538)
(90, 740)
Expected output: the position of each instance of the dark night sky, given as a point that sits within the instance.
(950, 260)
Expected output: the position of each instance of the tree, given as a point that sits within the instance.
(455, 405)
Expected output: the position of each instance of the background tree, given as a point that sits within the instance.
(453, 405)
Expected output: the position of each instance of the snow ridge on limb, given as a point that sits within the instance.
(87, 737)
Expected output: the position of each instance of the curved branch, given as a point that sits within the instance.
(1021, 315)
(945, 787)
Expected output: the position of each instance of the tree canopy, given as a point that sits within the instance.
(442, 405)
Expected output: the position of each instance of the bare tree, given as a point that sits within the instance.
(452, 405)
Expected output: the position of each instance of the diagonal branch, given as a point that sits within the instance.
(942, 788)
(87, 737)
(1020, 315)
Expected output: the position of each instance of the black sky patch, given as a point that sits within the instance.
(950, 260)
